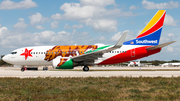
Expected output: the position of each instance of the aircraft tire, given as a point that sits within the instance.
(86, 68)
(45, 68)
(22, 69)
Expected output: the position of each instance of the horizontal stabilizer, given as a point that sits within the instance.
(160, 46)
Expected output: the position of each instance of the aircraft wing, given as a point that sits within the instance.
(160, 46)
(97, 54)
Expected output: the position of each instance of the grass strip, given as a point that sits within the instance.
(100, 88)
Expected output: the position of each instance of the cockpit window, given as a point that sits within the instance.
(13, 52)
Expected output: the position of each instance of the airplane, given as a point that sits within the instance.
(134, 64)
(171, 64)
(137, 64)
(70, 56)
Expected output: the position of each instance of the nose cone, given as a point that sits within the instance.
(5, 58)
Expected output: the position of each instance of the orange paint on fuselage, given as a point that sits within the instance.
(62, 61)
(67, 51)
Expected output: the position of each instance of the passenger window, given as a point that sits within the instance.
(112, 51)
(117, 51)
(36, 52)
(41, 52)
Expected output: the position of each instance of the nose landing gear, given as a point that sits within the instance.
(23, 68)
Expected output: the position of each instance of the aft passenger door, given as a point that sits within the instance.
(133, 52)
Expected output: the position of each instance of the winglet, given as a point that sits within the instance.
(121, 40)
(160, 46)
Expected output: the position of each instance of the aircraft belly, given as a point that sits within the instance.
(31, 61)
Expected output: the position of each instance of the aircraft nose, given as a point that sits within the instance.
(5, 58)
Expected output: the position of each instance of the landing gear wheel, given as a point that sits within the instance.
(86, 68)
(22, 69)
(45, 68)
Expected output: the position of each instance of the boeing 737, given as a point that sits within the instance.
(68, 57)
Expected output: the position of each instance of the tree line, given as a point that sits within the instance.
(158, 62)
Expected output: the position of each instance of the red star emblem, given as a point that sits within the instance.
(27, 53)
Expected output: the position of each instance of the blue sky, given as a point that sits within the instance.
(67, 22)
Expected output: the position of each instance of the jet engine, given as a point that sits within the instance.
(62, 63)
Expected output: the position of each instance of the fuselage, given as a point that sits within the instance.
(44, 55)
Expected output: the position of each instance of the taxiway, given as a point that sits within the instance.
(11, 72)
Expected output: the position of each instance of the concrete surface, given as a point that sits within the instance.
(15, 72)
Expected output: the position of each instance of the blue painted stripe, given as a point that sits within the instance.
(151, 39)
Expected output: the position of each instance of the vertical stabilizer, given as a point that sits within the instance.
(154, 24)
(150, 35)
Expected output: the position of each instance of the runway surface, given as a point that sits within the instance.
(8, 72)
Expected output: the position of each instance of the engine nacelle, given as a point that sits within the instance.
(62, 63)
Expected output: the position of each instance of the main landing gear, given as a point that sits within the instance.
(86, 68)
(45, 68)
